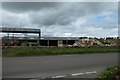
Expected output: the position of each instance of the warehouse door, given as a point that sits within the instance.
(53, 42)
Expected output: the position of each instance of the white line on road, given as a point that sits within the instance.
(76, 74)
(93, 72)
(59, 76)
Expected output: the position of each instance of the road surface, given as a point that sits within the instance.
(60, 66)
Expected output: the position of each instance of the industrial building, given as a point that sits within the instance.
(42, 41)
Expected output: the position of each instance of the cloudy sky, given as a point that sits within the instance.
(63, 19)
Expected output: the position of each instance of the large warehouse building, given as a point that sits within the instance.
(42, 41)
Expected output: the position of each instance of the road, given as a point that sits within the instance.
(67, 66)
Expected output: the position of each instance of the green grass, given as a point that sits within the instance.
(32, 51)
(111, 73)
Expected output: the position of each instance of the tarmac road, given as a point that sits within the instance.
(60, 66)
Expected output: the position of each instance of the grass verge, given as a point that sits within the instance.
(32, 51)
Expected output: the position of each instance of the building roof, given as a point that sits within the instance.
(19, 30)
(59, 38)
(43, 38)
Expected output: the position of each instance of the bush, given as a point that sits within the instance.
(111, 73)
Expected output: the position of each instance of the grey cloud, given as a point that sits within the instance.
(69, 12)
(55, 19)
(52, 17)
(20, 7)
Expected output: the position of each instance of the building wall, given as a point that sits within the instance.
(60, 43)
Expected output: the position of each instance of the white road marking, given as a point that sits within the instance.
(93, 72)
(59, 76)
(76, 74)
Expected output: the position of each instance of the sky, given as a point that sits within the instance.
(63, 19)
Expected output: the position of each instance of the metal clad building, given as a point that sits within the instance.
(20, 30)
(43, 41)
